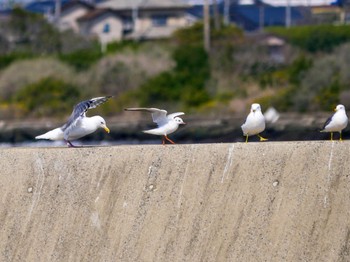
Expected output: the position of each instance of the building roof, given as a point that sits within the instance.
(46, 6)
(70, 4)
(42, 7)
(144, 4)
(5, 14)
(247, 16)
(273, 16)
(94, 14)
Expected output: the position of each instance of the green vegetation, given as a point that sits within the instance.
(314, 38)
(41, 67)
(121, 46)
(185, 83)
(32, 33)
(45, 97)
(82, 59)
(7, 59)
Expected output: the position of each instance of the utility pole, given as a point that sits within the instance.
(206, 26)
(217, 22)
(227, 12)
(288, 14)
(57, 11)
(261, 15)
(135, 13)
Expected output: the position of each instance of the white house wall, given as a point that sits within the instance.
(144, 23)
(115, 25)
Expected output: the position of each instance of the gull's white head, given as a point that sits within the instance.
(179, 121)
(100, 122)
(339, 107)
(255, 107)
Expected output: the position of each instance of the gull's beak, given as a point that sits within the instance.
(335, 109)
(106, 128)
(183, 123)
(254, 110)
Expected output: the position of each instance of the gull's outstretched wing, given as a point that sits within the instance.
(80, 110)
(158, 115)
(173, 115)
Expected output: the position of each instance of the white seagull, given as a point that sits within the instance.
(255, 123)
(78, 124)
(167, 124)
(337, 122)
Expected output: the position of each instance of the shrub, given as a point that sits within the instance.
(186, 83)
(329, 95)
(115, 74)
(82, 59)
(22, 73)
(47, 97)
(7, 59)
(314, 38)
(193, 35)
(298, 69)
(33, 33)
(121, 45)
(320, 78)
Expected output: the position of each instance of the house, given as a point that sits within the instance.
(71, 12)
(114, 20)
(253, 17)
(275, 47)
(327, 14)
(249, 16)
(103, 24)
(150, 19)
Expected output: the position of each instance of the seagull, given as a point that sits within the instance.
(78, 124)
(337, 122)
(255, 123)
(167, 124)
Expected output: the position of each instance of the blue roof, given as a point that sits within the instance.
(5, 12)
(247, 16)
(42, 7)
(45, 6)
(273, 16)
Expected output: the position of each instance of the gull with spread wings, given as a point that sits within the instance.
(78, 124)
(167, 124)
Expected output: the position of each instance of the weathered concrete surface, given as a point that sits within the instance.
(209, 202)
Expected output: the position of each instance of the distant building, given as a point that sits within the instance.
(255, 17)
(114, 20)
(149, 19)
(326, 14)
(103, 24)
(71, 12)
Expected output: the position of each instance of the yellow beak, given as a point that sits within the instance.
(106, 129)
(335, 109)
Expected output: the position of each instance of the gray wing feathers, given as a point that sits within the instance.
(80, 110)
(327, 122)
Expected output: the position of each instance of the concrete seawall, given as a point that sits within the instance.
(207, 202)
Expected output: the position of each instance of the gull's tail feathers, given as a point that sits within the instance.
(155, 131)
(55, 134)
